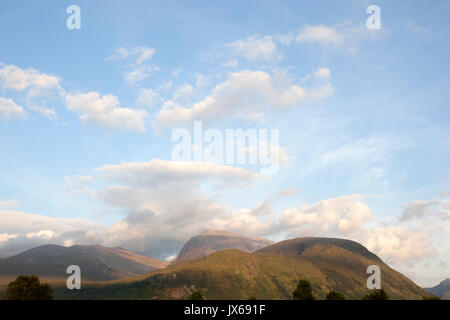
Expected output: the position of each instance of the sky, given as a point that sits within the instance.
(89, 116)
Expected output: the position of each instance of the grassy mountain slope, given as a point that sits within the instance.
(270, 273)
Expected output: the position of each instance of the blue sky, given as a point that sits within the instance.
(86, 118)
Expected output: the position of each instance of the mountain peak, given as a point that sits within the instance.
(210, 241)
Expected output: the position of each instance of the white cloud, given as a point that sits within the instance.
(320, 34)
(201, 80)
(8, 204)
(105, 111)
(438, 209)
(138, 73)
(399, 245)
(15, 78)
(176, 72)
(256, 48)
(34, 230)
(230, 64)
(34, 223)
(162, 172)
(171, 258)
(245, 94)
(147, 98)
(6, 236)
(140, 69)
(285, 39)
(183, 92)
(45, 234)
(46, 112)
(322, 74)
(411, 26)
(163, 199)
(342, 216)
(358, 154)
(141, 54)
(10, 110)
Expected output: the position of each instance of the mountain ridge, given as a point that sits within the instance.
(97, 263)
(210, 241)
(441, 290)
(328, 263)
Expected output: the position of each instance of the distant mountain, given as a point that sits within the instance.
(97, 263)
(441, 290)
(210, 241)
(269, 273)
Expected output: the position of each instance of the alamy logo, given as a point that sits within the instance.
(374, 20)
(374, 280)
(74, 20)
(236, 146)
(74, 281)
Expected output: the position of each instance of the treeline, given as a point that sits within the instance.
(30, 288)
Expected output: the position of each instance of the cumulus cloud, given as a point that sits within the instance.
(10, 110)
(343, 216)
(245, 94)
(105, 111)
(163, 202)
(13, 77)
(399, 245)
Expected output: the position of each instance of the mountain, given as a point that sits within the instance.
(210, 241)
(269, 273)
(97, 263)
(441, 290)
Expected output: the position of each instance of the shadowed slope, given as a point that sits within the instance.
(97, 263)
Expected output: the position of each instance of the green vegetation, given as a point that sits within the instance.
(377, 294)
(28, 288)
(252, 298)
(334, 295)
(274, 274)
(303, 291)
(431, 298)
(196, 295)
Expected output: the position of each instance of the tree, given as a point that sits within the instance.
(377, 294)
(196, 295)
(252, 298)
(334, 295)
(28, 288)
(303, 291)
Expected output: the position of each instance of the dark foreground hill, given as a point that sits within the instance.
(441, 290)
(97, 263)
(211, 241)
(270, 273)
